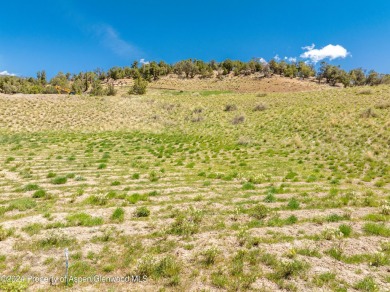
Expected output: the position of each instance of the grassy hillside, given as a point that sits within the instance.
(198, 190)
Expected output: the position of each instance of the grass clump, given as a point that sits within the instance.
(270, 195)
(365, 92)
(210, 256)
(293, 204)
(238, 120)
(33, 228)
(102, 166)
(79, 178)
(142, 212)
(376, 229)
(260, 107)
(367, 284)
(51, 175)
(259, 212)
(153, 193)
(345, 229)
(368, 113)
(55, 241)
(80, 269)
(323, 279)
(270, 198)
(335, 252)
(70, 175)
(20, 285)
(166, 267)
(248, 186)
(385, 210)
(331, 233)
(230, 107)
(4, 233)
(186, 223)
(83, 219)
(22, 204)
(9, 159)
(379, 259)
(335, 218)
(59, 180)
(153, 176)
(383, 105)
(134, 198)
(219, 279)
(135, 176)
(30, 187)
(291, 175)
(277, 221)
(39, 194)
(118, 215)
(309, 252)
(286, 270)
(97, 200)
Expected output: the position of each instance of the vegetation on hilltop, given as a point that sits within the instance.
(91, 82)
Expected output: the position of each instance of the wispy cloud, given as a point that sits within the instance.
(111, 39)
(277, 58)
(6, 73)
(309, 48)
(330, 52)
(107, 35)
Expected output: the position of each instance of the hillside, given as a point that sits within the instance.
(199, 185)
(244, 84)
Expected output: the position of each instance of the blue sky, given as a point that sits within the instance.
(74, 36)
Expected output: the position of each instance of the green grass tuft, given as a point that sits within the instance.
(118, 215)
(59, 180)
(83, 219)
(142, 212)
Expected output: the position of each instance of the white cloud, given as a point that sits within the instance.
(330, 51)
(6, 73)
(277, 58)
(291, 59)
(261, 60)
(112, 40)
(143, 62)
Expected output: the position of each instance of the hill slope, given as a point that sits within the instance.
(243, 84)
(198, 190)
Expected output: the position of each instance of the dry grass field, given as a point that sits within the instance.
(254, 83)
(197, 189)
